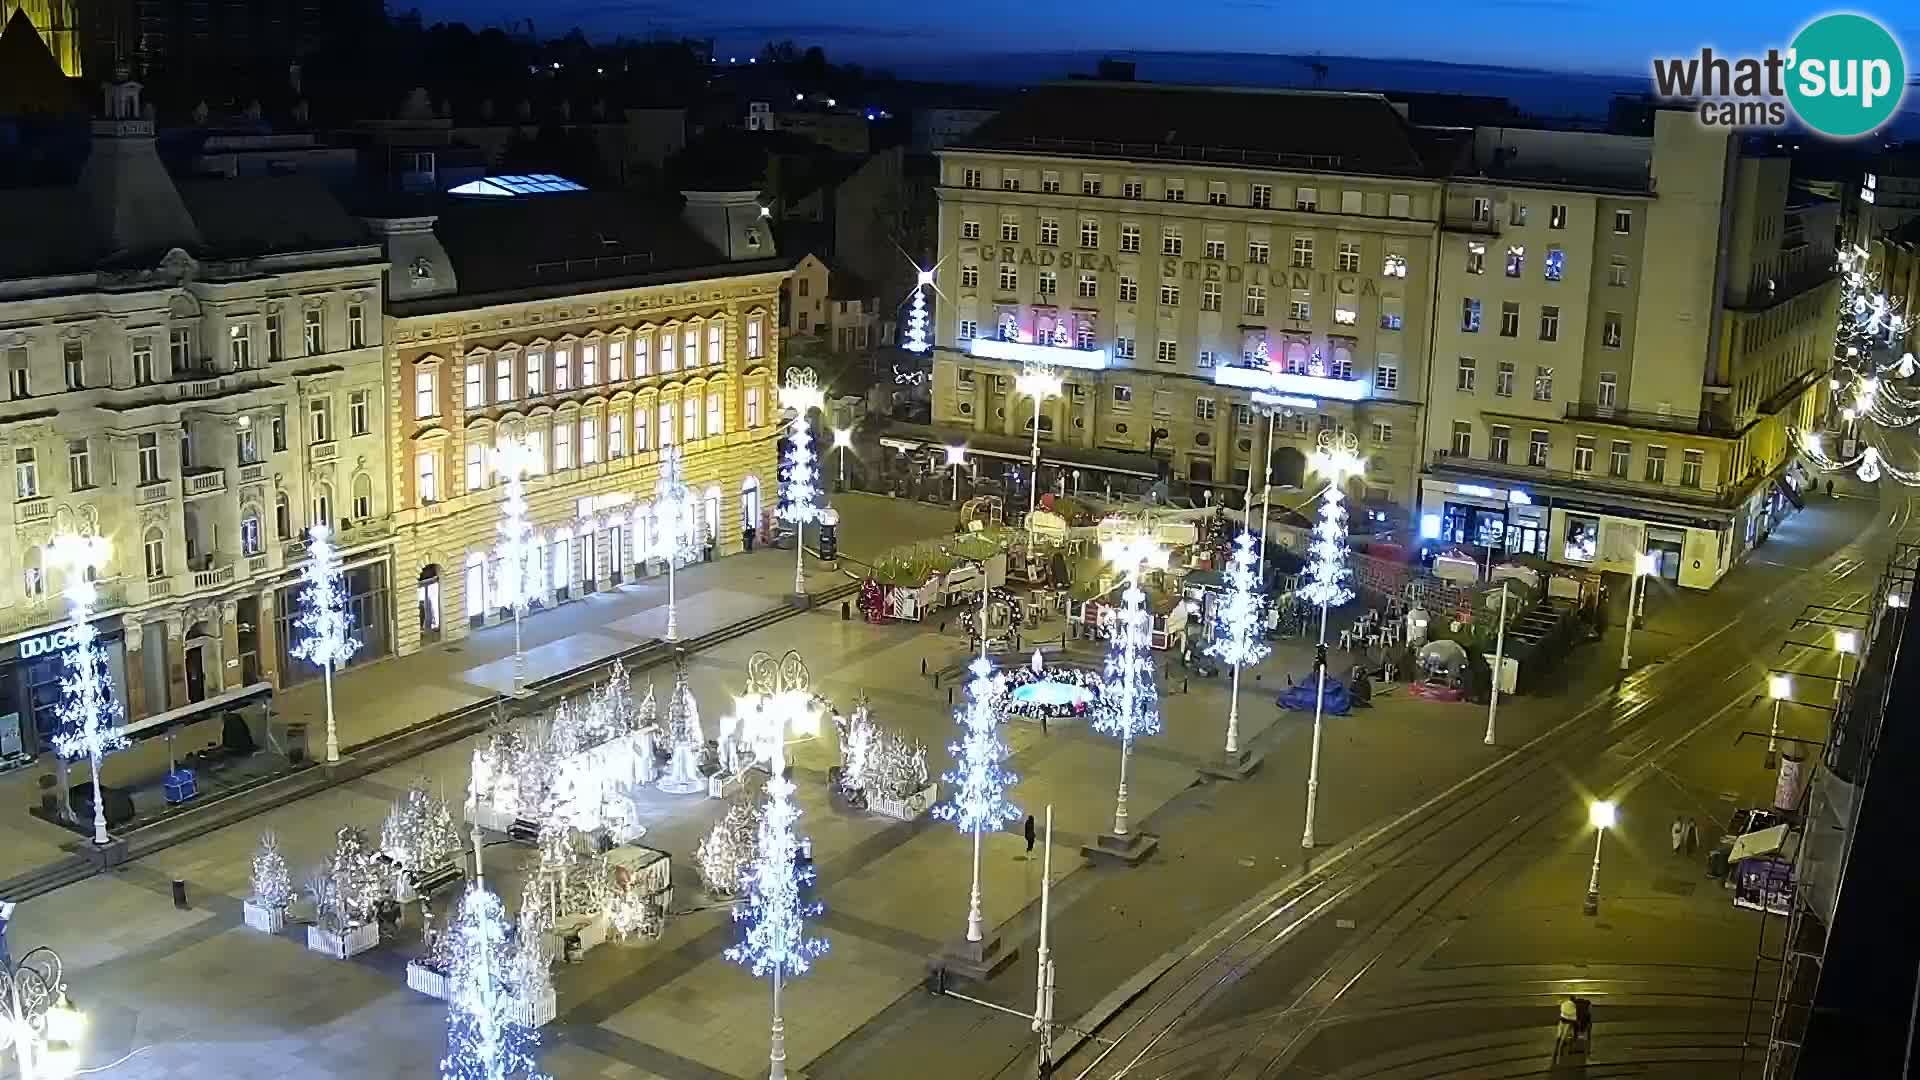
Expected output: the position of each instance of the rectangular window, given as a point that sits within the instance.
(1539, 448)
(562, 446)
(1619, 457)
(1503, 379)
(143, 366)
(640, 425)
(476, 466)
(1049, 232)
(970, 178)
(1617, 271)
(1256, 300)
(356, 326)
(1462, 439)
(562, 369)
(665, 416)
(1009, 231)
(1386, 375)
(320, 415)
(1516, 260)
(1303, 252)
(1509, 319)
(426, 476)
(278, 424)
(424, 406)
(1352, 202)
(79, 465)
(689, 418)
(589, 364)
(359, 416)
(73, 363)
(1090, 185)
(276, 346)
(1499, 437)
(1207, 359)
(1049, 283)
(1347, 260)
(1623, 221)
(19, 383)
(1306, 198)
(616, 435)
(1010, 181)
(1258, 251)
(149, 458)
(1050, 183)
(1260, 196)
(1470, 315)
(1134, 188)
(1392, 313)
(1167, 352)
(1169, 296)
(1089, 234)
(969, 277)
(1610, 330)
(1009, 278)
(502, 379)
(1519, 213)
(1549, 323)
(1467, 375)
(1300, 306)
(1089, 285)
(1129, 290)
(1176, 191)
(1346, 309)
(1210, 296)
(1556, 265)
(716, 415)
(1123, 347)
(315, 332)
(1476, 258)
(1204, 410)
(1609, 384)
(589, 440)
(1542, 383)
(1216, 193)
(26, 474)
(1482, 210)
(1692, 467)
(536, 372)
(1382, 433)
(239, 348)
(969, 329)
(1583, 453)
(1129, 237)
(476, 384)
(1123, 398)
(1557, 216)
(1656, 464)
(969, 230)
(617, 352)
(1170, 240)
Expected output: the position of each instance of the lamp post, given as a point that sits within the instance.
(1128, 687)
(1601, 814)
(956, 457)
(1266, 490)
(843, 442)
(1336, 459)
(1499, 665)
(1779, 688)
(42, 1023)
(89, 716)
(514, 460)
(1643, 564)
(1845, 643)
(1038, 382)
(800, 393)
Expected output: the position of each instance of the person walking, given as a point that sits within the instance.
(1031, 834)
(1693, 837)
(1679, 832)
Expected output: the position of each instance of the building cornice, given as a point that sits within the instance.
(475, 303)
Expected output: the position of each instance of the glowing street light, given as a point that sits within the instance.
(843, 442)
(956, 457)
(1845, 643)
(1039, 383)
(1601, 815)
(89, 717)
(1336, 460)
(1130, 700)
(801, 393)
(1779, 688)
(1644, 563)
(41, 1022)
(517, 574)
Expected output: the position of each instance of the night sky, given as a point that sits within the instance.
(1615, 37)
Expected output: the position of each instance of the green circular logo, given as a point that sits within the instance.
(1845, 75)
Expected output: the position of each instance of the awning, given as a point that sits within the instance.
(1755, 844)
(198, 710)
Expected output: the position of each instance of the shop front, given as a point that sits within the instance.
(368, 605)
(1496, 519)
(32, 669)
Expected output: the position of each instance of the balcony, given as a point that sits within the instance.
(213, 577)
(1715, 495)
(1708, 424)
(204, 482)
(252, 473)
(1271, 379)
(159, 588)
(322, 452)
(259, 564)
(29, 511)
(156, 491)
(1467, 223)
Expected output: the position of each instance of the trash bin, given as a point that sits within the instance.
(297, 750)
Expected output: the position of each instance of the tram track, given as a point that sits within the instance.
(1617, 752)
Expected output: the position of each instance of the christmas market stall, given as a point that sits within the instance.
(912, 581)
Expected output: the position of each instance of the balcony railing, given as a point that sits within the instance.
(159, 587)
(213, 578)
(206, 482)
(259, 564)
(155, 492)
(1702, 494)
(352, 535)
(28, 511)
(250, 474)
(1685, 423)
(323, 452)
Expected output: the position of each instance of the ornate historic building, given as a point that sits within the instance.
(598, 329)
(194, 373)
(58, 24)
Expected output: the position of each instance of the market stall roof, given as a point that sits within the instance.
(1014, 448)
(1755, 844)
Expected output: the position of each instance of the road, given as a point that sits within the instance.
(1442, 948)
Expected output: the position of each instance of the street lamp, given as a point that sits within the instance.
(1779, 688)
(800, 393)
(1643, 564)
(1336, 459)
(1601, 814)
(1499, 665)
(843, 442)
(513, 460)
(41, 1023)
(956, 457)
(1131, 699)
(1038, 382)
(1845, 642)
(89, 715)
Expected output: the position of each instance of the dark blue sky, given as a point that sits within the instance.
(1615, 37)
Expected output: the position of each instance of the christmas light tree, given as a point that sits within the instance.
(979, 781)
(272, 885)
(726, 856)
(484, 1042)
(800, 502)
(325, 623)
(686, 742)
(917, 315)
(676, 532)
(1129, 701)
(1336, 459)
(1237, 639)
(89, 716)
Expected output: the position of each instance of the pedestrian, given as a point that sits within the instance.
(1679, 832)
(1693, 837)
(1031, 834)
(1043, 721)
(1829, 489)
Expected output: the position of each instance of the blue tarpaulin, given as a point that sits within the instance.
(1305, 688)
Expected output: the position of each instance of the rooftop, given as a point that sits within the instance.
(1290, 129)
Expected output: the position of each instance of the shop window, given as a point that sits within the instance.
(1582, 540)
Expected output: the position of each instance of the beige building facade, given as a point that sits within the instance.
(197, 384)
(1276, 260)
(598, 375)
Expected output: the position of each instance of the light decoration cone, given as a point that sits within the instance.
(517, 576)
(916, 336)
(800, 393)
(484, 1042)
(1129, 706)
(89, 716)
(325, 624)
(1336, 459)
(1237, 639)
(979, 780)
(774, 940)
(676, 532)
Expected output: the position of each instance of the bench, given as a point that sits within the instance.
(432, 881)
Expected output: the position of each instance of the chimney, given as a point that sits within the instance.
(733, 221)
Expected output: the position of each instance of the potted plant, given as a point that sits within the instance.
(345, 893)
(265, 909)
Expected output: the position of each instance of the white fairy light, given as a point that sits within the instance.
(89, 715)
(325, 622)
(979, 781)
(1237, 639)
(1336, 459)
(1129, 701)
(917, 314)
(484, 1040)
(517, 575)
(676, 533)
(801, 393)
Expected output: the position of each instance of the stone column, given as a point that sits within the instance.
(136, 688)
(267, 635)
(229, 673)
(176, 659)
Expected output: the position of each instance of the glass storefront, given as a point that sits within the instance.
(1476, 525)
(31, 672)
(370, 607)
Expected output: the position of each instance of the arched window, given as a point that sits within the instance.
(251, 542)
(323, 503)
(476, 584)
(362, 497)
(282, 516)
(155, 546)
